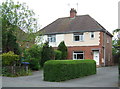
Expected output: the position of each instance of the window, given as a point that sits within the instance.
(78, 37)
(78, 55)
(92, 35)
(107, 40)
(51, 38)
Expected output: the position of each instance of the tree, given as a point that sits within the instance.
(9, 43)
(58, 54)
(17, 16)
(117, 48)
(62, 47)
(47, 53)
(116, 45)
(8, 38)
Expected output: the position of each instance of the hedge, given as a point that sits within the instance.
(61, 70)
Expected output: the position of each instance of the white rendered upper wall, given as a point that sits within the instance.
(68, 39)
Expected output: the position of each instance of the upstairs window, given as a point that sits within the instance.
(92, 35)
(51, 38)
(78, 37)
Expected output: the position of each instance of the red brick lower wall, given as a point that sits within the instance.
(88, 53)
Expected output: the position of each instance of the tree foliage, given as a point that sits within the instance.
(58, 54)
(33, 56)
(9, 39)
(62, 47)
(116, 45)
(47, 53)
(33, 52)
(17, 16)
(9, 43)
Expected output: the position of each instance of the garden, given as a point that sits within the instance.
(20, 55)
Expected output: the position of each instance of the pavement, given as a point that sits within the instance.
(105, 77)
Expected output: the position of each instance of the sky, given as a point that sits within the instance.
(103, 11)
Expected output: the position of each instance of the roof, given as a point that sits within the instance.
(82, 23)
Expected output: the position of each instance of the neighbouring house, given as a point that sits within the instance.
(24, 39)
(84, 37)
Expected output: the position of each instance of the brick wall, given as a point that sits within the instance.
(108, 49)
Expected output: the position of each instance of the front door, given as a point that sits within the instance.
(96, 57)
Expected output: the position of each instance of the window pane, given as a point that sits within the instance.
(92, 34)
(79, 56)
(81, 37)
(75, 56)
(51, 38)
(76, 38)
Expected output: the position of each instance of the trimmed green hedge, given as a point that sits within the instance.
(60, 70)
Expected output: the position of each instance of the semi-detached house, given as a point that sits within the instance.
(84, 37)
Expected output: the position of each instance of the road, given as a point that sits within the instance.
(105, 77)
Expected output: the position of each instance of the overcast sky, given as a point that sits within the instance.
(103, 11)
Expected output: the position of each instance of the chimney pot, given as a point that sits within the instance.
(72, 13)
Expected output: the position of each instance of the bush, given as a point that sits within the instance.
(60, 70)
(58, 55)
(47, 53)
(9, 59)
(62, 47)
(34, 64)
(33, 56)
(33, 52)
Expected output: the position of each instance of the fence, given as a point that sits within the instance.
(14, 71)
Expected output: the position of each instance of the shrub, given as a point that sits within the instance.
(60, 70)
(33, 52)
(33, 56)
(58, 55)
(34, 64)
(47, 53)
(62, 47)
(9, 59)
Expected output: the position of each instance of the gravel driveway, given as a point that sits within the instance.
(105, 77)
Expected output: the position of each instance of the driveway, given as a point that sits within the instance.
(105, 77)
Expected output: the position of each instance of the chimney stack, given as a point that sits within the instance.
(73, 13)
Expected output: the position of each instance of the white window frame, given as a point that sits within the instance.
(92, 33)
(51, 38)
(81, 37)
(77, 54)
